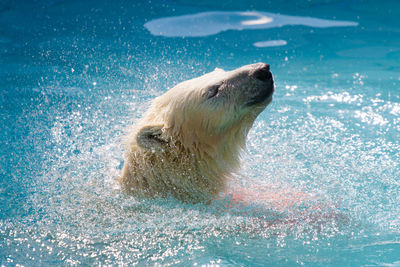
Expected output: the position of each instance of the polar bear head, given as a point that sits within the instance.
(201, 112)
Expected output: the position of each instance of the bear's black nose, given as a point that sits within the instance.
(263, 73)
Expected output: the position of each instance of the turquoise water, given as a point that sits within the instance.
(75, 74)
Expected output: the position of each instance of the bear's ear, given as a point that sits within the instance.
(149, 137)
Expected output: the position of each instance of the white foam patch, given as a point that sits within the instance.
(210, 23)
(271, 43)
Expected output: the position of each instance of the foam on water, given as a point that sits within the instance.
(270, 43)
(209, 23)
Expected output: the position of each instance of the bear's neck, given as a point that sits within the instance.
(194, 173)
(185, 174)
(203, 168)
(176, 172)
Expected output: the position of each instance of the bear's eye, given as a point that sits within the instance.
(213, 91)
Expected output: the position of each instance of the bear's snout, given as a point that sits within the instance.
(263, 73)
(265, 84)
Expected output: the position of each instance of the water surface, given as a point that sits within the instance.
(74, 75)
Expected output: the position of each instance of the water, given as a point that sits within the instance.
(75, 74)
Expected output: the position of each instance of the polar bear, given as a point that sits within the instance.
(189, 141)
